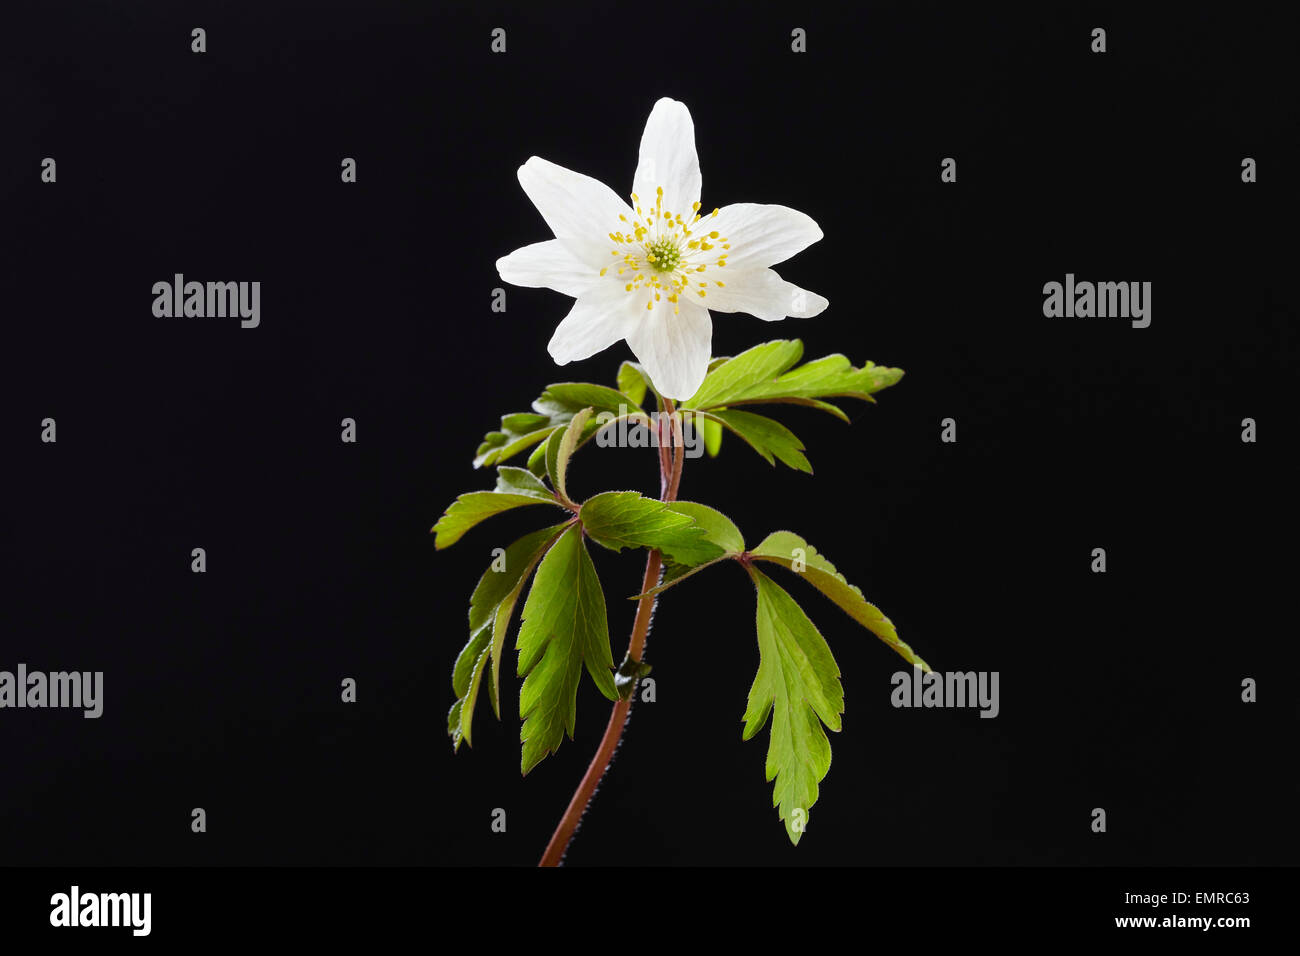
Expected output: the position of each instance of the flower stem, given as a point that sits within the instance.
(670, 479)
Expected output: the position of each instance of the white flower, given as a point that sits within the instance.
(650, 272)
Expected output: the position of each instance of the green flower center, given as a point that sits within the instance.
(673, 262)
(663, 254)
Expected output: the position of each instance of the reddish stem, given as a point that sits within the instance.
(670, 479)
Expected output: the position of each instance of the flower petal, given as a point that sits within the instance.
(573, 205)
(673, 347)
(763, 293)
(553, 264)
(603, 314)
(760, 235)
(667, 158)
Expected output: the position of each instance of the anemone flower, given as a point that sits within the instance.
(650, 272)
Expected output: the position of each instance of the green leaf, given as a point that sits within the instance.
(711, 429)
(504, 573)
(563, 627)
(632, 381)
(552, 453)
(734, 377)
(626, 519)
(764, 374)
(569, 398)
(798, 685)
(501, 627)
(501, 446)
(474, 507)
(717, 527)
(564, 450)
(519, 481)
(833, 375)
(493, 600)
(789, 550)
(453, 724)
(537, 460)
(467, 674)
(816, 403)
(523, 423)
(490, 608)
(553, 409)
(577, 435)
(766, 436)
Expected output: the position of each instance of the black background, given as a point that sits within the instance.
(1119, 690)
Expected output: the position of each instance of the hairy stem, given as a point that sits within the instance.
(671, 455)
